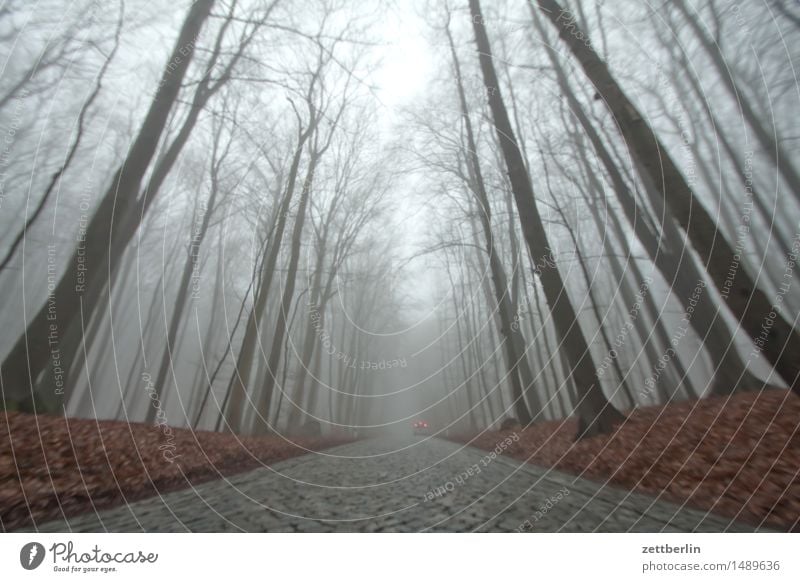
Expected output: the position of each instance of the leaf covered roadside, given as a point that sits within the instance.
(736, 456)
(51, 467)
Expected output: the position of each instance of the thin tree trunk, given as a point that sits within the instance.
(587, 278)
(189, 267)
(244, 362)
(210, 336)
(678, 269)
(261, 423)
(316, 370)
(596, 413)
(315, 323)
(41, 346)
(514, 344)
(285, 371)
(80, 128)
(478, 362)
(770, 143)
(146, 332)
(772, 333)
(473, 421)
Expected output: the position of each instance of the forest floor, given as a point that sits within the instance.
(51, 467)
(738, 456)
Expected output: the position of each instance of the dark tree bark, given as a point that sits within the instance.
(513, 343)
(587, 278)
(194, 412)
(44, 343)
(146, 333)
(595, 412)
(80, 127)
(678, 268)
(774, 335)
(466, 382)
(769, 142)
(240, 378)
(647, 335)
(189, 267)
(261, 422)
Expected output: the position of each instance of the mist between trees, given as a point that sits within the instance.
(336, 217)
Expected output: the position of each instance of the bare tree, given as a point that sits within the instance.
(80, 128)
(774, 335)
(203, 213)
(596, 414)
(38, 348)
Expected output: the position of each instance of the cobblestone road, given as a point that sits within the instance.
(420, 484)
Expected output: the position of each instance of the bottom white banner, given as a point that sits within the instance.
(377, 557)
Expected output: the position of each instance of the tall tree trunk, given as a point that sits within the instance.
(596, 414)
(772, 333)
(261, 422)
(45, 343)
(184, 287)
(478, 364)
(285, 371)
(80, 127)
(199, 385)
(769, 141)
(209, 384)
(587, 279)
(563, 388)
(678, 268)
(341, 371)
(646, 338)
(315, 323)
(316, 370)
(460, 347)
(514, 344)
(145, 339)
(545, 365)
(244, 361)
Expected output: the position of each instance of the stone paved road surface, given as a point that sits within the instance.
(421, 484)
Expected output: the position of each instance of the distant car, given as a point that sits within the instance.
(421, 427)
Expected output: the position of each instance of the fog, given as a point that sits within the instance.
(308, 217)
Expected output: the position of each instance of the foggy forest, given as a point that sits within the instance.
(230, 225)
